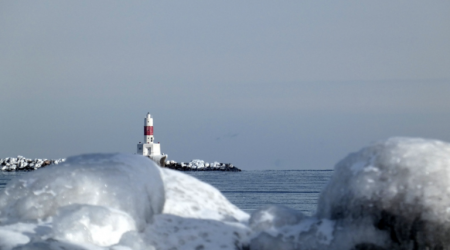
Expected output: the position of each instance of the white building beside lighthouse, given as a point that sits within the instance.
(149, 147)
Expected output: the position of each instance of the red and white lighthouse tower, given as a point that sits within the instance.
(148, 129)
(149, 147)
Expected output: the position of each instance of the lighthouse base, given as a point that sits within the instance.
(159, 159)
(152, 151)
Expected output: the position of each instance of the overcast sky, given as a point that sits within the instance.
(260, 84)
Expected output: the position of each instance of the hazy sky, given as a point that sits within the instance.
(260, 84)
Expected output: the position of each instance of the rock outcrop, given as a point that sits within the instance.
(21, 163)
(25, 164)
(200, 165)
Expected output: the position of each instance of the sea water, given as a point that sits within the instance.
(251, 190)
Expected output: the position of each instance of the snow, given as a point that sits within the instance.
(174, 232)
(98, 225)
(22, 163)
(198, 164)
(116, 201)
(10, 239)
(274, 217)
(393, 194)
(400, 187)
(125, 182)
(90, 199)
(279, 227)
(199, 200)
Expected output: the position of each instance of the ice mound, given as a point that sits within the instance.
(187, 196)
(394, 194)
(174, 232)
(115, 201)
(98, 225)
(10, 239)
(279, 227)
(195, 216)
(400, 187)
(90, 199)
(274, 217)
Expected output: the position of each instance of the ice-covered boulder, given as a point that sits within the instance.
(187, 196)
(174, 232)
(283, 228)
(274, 216)
(116, 202)
(97, 225)
(128, 183)
(400, 187)
(198, 164)
(393, 194)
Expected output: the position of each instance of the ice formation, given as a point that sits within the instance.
(200, 200)
(400, 186)
(124, 182)
(279, 227)
(22, 163)
(393, 194)
(116, 201)
(175, 232)
(88, 198)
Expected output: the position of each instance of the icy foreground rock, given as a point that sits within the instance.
(400, 186)
(394, 194)
(116, 201)
(123, 182)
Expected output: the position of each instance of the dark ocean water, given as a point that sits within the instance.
(250, 190)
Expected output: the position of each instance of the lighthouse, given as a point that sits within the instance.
(149, 148)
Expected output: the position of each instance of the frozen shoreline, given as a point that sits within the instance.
(392, 194)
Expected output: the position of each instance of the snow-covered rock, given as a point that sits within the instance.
(400, 186)
(393, 194)
(115, 201)
(128, 183)
(21, 163)
(187, 196)
(274, 217)
(174, 232)
(200, 165)
(97, 225)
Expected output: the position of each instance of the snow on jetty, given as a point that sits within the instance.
(25, 164)
(21, 163)
(200, 165)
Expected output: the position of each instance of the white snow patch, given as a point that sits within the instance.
(189, 197)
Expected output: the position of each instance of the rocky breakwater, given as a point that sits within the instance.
(200, 165)
(25, 164)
